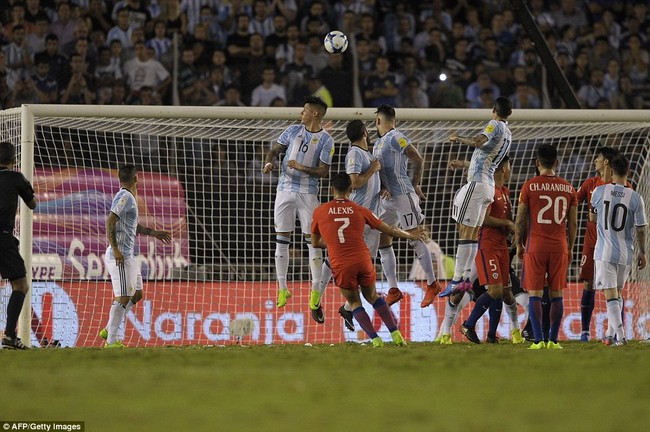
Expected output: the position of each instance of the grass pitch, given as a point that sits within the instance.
(423, 387)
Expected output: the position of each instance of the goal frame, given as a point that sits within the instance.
(30, 111)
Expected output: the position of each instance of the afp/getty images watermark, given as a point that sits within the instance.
(67, 426)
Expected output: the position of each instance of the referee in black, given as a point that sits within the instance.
(12, 267)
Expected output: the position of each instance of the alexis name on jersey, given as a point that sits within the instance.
(340, 210)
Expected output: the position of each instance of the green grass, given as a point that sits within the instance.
(423, 387)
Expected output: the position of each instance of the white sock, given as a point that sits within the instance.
(347, 307)
(462, 253)
(282, 260)
(389, 265)
(464, 301)
(115, 318)
(326, 275)
(424, 256)
(470, 273)
(614, 318)
(449, 319)
(522, 300)
(315, 265)
(513, 315)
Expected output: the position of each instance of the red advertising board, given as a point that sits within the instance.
(191, 313)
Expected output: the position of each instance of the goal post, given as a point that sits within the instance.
(200, 178)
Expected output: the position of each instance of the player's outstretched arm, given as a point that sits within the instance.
(458, 164)
(164, 236)
(475, 141)
(393, 231)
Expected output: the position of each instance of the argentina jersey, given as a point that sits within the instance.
(620, 210)
(306, 148)
(357, 161)
(389, 150)
(125, 207)
(487, 158)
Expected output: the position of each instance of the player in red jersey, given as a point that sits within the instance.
(548, 211)
(339, 225)
(601, 162)
(493, 262)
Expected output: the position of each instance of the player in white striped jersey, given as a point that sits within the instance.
(121, 228)
(400, 202)
(472, 200)
(363, 169)
(308, 150)
(619, 213)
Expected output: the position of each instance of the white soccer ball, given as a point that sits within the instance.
(335, 42)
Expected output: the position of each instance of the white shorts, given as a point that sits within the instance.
(471, 203)
(126, 279)
(403, 210)
(608, 275)
(287, 204)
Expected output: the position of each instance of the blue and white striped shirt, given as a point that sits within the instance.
(309, 149)
(389, 150)
(620, 210)
(486, 159)
(126, 208)
(357, 161)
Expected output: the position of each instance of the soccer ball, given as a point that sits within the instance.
(335, 42)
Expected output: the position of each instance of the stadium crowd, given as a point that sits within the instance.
(270, 52)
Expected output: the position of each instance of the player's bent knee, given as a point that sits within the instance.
(123, 300)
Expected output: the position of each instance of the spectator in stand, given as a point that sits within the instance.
(81, 31)
(261, 21)
(229, 11)
(146, 96)
(160, 43)
(411, 95)
(475, 89)
(628, 97)
(118, 57)
(119, 94)
(238, 46)
(34, 10)
(591, 94)
(36, 39)
(98, 17)
(459, 64)
(635, 61)
(394, 38)
(17, 54)
(146, 71)
(602, 53)
(438, 12)
(106, 74)
(17, 18)
(613, 75)
(295, 76)
(173, 17)
(77, 90)
(316, 88)
(612, 27)
(567, 42)
(268, 90)
(433, 54)
(284, 52)
(59, 66)
(215, 88)
(317, 13)
(190, 86)
(410, 68)
(46, 88)
(445, 93)
(219, 60)
(214, 32)
(579, 73)
(570, 13)
(368, 31)
(257, 62)
(277, 38)
(524, 97)
(316, 55)
(633, 27)
(365, 59)
(541, 15)
(232, 97)
(122, 29)
(138, 12)
(64, 25)
(380, 88)
(338, 78)
(287, 8)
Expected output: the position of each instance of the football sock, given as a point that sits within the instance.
(424, 257)
(129, 305)
(535, 314)
(556, 313)
(325, 276)
(494, 312)
(115, 318)
(513, 314)
(482, 304)
(14, 306)
(614, 317)
(347, 307)
(586, 308)
(469, 272)
(463, 252)
(522, 300)
(450, 316)
(315, 265)
(282, 259)
(384, 312)
(622, 302)
(389, 265)
(364, 321)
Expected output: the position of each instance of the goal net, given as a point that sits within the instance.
(200, 178)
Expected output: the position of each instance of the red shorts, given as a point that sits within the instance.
(355, 275)
(587, 264)
(493, 266)
(541, 267)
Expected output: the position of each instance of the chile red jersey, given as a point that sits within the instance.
(501, 208)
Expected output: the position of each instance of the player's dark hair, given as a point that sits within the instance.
(387, 111)
(503, 161)
(7, 153)
(608, 153)
(341, 182)
(127, 173)
(503, 107)
(355, 130)
(317, 102)
(620, 165)
(547, 155)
